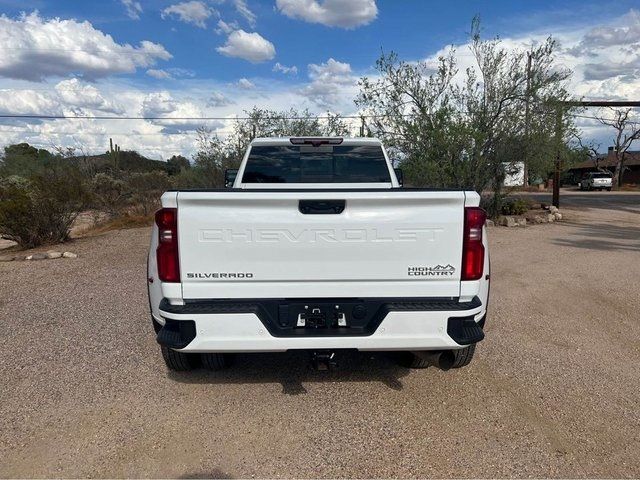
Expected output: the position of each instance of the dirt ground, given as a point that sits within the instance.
(554, 389)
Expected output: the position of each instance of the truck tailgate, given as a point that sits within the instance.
(259, 244)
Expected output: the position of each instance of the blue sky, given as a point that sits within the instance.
(220, 57)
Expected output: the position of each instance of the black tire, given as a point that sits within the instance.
(463, 357)
(156, 326)
(177, 361)
(608, 189)
(214, 361)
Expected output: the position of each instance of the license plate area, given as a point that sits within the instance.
(318, 317)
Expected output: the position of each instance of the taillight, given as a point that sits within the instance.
(167, 252)
(472, 248)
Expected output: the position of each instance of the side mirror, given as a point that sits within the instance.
(399, 176)
(230, 175)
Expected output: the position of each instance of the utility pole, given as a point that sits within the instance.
(362, 126)
(527, 120)
(556, 171)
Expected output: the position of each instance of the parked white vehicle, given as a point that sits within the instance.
(317, 247)
(596, 181)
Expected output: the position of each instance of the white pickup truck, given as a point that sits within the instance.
(317, 247)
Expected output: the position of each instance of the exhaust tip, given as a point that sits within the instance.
(446, 360)
(442, 359)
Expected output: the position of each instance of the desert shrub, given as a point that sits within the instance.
(517, 206)
(41, 209)
(146, 190)
(110, 194)
(492, 203)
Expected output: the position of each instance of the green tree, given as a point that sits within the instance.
(24, 160)
(176, 164)
(459, 129)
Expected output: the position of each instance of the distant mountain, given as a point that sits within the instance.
(23, 159)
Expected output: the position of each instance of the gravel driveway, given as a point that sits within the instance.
(554, 389)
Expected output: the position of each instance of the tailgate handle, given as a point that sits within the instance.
(321, 207)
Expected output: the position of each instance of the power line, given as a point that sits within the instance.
(121, 134)
(115, 117)
(235, 118)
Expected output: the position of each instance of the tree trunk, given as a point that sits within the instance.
(616, 181)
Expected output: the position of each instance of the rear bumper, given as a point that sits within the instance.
(396, 325)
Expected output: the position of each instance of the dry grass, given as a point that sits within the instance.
(123, 222)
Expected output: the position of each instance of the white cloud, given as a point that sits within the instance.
(194, 12)
(226, 28)
(134, 9)
(159, 74)
(29, 102)
(624, 32)
(245, 84)
(330, 83)
(278, 67)
(332, 13)
(218, 99)
(163, 104)
(605, 52)
(77, 95)
(170, 73)
(34, 48)
(248, 46)
(243, 9)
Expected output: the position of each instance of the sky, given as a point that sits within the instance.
(219, 58)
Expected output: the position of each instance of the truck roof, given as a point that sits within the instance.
(348, 141)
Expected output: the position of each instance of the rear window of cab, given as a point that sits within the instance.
(321, 164)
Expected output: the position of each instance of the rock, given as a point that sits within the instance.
(7, 259)
(550, 217)
(541, 218)
(37, 256)
(508, 221)
(491, 223)
(522, 222)
(70, 255)
(553, 209)
(53, 254)
(557, 216)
